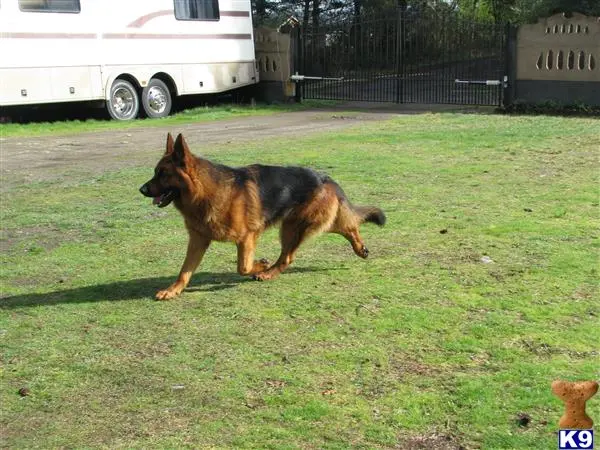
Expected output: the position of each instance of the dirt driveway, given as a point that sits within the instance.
(24, 160)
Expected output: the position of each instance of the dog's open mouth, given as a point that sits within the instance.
(164, 199)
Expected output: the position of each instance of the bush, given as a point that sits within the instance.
(552, 108)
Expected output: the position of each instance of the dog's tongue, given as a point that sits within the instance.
(156, 201)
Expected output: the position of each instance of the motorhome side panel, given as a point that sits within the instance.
(200, 56)
(68, 56)
(48, 57)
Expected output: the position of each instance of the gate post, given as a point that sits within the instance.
(273, 51)
(510, 65)
(297, 59)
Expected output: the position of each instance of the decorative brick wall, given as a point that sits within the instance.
(274, 61)
(558, 59)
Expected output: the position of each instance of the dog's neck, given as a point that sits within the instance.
(204, 185)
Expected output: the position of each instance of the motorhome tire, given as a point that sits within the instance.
(156, 99)
(124, 102)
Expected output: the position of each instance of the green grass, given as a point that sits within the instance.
(193, 115)
(422, 343)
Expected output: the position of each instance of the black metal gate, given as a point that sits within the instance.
(404, 59)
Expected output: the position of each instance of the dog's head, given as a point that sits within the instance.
(170, 177)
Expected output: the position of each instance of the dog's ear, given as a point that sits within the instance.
(169, 148)
(181, 151)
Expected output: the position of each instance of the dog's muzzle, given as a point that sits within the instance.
(145, 191)
(161, 200)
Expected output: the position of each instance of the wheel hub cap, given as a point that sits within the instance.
(123, 102)
(157, 99)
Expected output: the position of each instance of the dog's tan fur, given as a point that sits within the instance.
(217, 207)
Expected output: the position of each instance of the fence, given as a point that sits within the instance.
(423, 59)
(404, 60)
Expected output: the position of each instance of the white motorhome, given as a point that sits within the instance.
(131, 54)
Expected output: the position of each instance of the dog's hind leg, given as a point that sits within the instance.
(358, 245)
(291, 238)
(246, 265)
(346, 223)
(307, 220)
(197, 246)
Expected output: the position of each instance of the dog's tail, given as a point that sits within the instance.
(370, 214)
(350, 212)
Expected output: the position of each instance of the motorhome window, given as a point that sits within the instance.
(57, 6)
(196, 9)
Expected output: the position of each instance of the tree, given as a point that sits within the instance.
(323, 12)
(263, 10)
(497, 11)
(531, 10)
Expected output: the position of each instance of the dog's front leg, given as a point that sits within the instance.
(246, 265)
(197, 246)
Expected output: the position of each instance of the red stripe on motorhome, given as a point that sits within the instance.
(175, 36)
(141, 21)
(26, 35)
(235, 14)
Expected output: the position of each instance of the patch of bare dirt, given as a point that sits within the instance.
(47, 237)
(408, 366)
(50, 157)
(543, 349)
(433, 441)
(54, 157)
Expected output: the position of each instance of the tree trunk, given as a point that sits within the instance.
(357, 35)
(261, 10)
(357, 9)
(306, 15)
(315, 13)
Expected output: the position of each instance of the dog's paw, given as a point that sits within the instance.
(262, 265)
(261, 276)
(259, 266)
(166, 294)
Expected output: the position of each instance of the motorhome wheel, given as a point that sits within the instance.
(156, 99)
(123, 103)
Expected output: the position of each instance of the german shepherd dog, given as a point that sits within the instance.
(237, 204)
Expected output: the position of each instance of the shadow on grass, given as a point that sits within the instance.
(135, 289)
